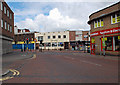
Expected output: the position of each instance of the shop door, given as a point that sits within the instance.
(93, 48)
(66, 45)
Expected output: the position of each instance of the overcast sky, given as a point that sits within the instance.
(55, 16)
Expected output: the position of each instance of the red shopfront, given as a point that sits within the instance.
(109, 38)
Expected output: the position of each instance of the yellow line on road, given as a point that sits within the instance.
(15, 72)
(34, 56)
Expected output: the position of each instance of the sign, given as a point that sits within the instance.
(118, 37)
(93, 40)
(104, 39)
(105, 32)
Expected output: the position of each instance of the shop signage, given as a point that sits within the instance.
(105, 32)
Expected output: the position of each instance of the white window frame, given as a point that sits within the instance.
(4, 9)
(10, 16)
(5, 25)
(8, 27)
(1, 6)
(8, 13)
(1, 23)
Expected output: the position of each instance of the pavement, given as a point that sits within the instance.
(16, 55)
(65, 67)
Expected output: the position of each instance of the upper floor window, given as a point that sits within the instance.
(59, 36)
(48, 37)
(98, 23)
(10, 16)
(8, 13)
(6, 25)
(4, 9)
(2, 23)
(53, 37)
(10, 28)
(1, 6)
(115, 18)
(64, 36)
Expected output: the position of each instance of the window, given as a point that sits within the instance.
(118, 17)
(115, 18)
(10, 28)
(8, 13)
(48, 37)
(54, 44)
(98, 23)
(6, 25)
(2, 23)
(1, 6)
(53, 37)
(64, 36)
(108, 43)
(48, 44)
(4, 9)
(59, 36)
(60, 44)
(10, 16)
(40, 38)
(117, 43)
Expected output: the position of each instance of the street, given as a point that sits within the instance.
(64, 67)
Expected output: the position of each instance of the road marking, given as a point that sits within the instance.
(34, 56)
(15, 72)
(91, 63)
(70, 58)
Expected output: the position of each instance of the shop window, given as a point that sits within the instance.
(54, 44)
(108, 43)
(60, 44)
(117, 43)
(48, 44)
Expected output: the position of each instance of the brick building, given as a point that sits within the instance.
(6, 27)
(105, 30)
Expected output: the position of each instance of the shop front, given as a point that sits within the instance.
(106, 42)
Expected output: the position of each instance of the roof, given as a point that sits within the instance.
(104, 8)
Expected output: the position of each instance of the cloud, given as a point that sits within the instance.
(55, 21)
(54, 16)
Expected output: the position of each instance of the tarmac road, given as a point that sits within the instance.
(65, 67)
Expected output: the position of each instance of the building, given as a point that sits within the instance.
(6, 27)
(16, 30)
(59, 40)
(20, 40)
(105, 30)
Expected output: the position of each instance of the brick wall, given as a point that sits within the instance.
(72, 35)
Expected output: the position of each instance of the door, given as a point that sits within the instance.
(66, 45)
(92, 46)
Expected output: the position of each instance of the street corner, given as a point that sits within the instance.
(11, 74)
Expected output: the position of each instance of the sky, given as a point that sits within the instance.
(46, 16)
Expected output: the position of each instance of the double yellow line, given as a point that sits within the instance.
(15, 73)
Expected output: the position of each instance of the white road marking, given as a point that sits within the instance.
(85, 61)
(91, 63)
